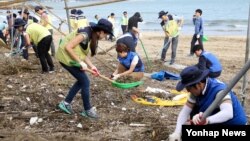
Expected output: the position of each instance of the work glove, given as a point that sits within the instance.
(116, 76)
(197, 119)
(198, 36)
(83, 65)
(95, 70)
(174, 137)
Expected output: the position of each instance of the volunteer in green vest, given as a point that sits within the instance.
(41, 37)
(124, 22)
(81, 20)
(171, 30)
(46, 22)
(75, 47)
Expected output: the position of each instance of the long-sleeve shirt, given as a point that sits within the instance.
(198, 23)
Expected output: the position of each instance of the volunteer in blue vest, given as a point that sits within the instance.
(130, 64)
(129, 39)
(28, 19)
(171, 30)
(46, 21)
(203, 91)
(208, 61)
(75, 47)
(41, 37)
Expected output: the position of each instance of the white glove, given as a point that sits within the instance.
(83, 65)
(174, 137)
(198, 36)
(116, 76)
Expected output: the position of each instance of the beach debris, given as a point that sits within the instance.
(137, 125)
(79, 125)
(33, 120)
(28, 99)
(62, 96)
(9, 86)
(124, 109)
(156, 90)
(40, 120)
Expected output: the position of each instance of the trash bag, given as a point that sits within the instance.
(161, 75)
(158, 75)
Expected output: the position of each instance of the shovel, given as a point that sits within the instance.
(113, 82)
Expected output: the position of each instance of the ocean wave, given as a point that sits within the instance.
(237, 25)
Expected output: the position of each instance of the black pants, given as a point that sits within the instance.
(214, 74)
(124, 28)
(194, 39)
(43, 53)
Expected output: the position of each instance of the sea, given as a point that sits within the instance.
(221, 17)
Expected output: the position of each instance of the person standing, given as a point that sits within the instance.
(73, 19)
(111, 19)
(129, 39)
(124, 22)
(171, 30)
(41, 37)
(198, 30)
(133, 21)
(203, 92)
(82, 22)
(75, 47)
(46, 22)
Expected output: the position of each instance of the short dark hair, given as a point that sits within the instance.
(120, 47)
(199, 11)
(112, 14)
(125, 12)
(197, 47)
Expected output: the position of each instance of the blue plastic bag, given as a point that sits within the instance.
(161, 75)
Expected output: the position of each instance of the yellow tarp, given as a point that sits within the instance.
(179, 99)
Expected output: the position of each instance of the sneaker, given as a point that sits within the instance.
(65, 108)
(163, 60)
(51, 70)
(91, 113)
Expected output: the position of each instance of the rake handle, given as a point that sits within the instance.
(102, 76)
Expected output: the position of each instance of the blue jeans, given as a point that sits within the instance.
(173, 46)
(81, 83)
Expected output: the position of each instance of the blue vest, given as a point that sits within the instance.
(126, 62)
(129, 39)
(215, 63)
(204, 101)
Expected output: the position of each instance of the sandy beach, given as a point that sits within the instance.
(114, 124)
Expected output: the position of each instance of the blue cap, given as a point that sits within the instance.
(19, 22)
(191, 75)
(105, 25)
(79, 12)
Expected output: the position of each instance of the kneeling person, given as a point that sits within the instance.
(130, 63)
(207, 61)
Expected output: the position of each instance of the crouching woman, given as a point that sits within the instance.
(130, 64)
